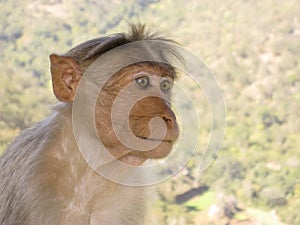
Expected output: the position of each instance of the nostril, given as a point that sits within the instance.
(168, 120)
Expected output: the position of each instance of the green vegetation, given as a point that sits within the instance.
(254, 50)
(202, 202)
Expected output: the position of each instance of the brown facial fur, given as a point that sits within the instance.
(141, 114)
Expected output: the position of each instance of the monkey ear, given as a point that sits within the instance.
(66, 74)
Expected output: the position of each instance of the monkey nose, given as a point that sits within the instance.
(168, 121)
(172, 128)
(169, 118)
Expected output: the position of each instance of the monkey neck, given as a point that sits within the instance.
(85, 187)
(63, 168)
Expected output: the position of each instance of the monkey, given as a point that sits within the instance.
(45, 178)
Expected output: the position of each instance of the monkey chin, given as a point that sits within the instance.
(137, 158)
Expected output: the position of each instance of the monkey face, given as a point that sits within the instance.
(149, 117)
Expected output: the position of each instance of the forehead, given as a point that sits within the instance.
(153, 68)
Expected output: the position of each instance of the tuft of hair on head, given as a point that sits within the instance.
(85, 53)
(140, 32)
(96, 47)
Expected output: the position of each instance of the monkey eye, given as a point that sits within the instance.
(165, 85)
(143, 82)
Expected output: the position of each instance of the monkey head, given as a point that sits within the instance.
(153, 79)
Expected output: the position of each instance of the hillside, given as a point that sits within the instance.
(253, 49)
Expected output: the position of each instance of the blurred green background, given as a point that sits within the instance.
(254, 49)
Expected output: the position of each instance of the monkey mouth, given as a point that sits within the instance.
(154, 139)
(137, 158)
(132, 159)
